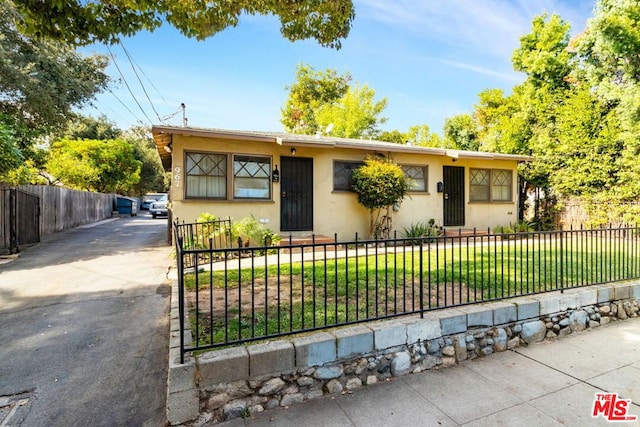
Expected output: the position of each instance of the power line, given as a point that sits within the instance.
(97, 103)
(128, 87)
(140, 81)
(124, 105)
(143, 73)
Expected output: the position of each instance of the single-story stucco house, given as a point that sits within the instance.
(300, 184)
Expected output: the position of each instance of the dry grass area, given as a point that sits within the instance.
(255, 297)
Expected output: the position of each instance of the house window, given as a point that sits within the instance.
(416, 176)
(490, 185)
(251, 177)
(206, 175)
(343, 174)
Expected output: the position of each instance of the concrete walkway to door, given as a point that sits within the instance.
(84, 327)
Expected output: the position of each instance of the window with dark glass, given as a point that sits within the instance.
(343, 173)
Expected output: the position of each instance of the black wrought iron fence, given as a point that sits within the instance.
(202, 236)
(236, 295)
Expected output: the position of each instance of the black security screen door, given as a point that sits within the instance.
(453, 203)
(296, 194)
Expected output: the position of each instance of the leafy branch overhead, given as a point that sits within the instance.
(84, 22)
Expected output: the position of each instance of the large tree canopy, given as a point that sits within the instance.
(319, 99)
(151, 174)
(355, 115)
(461, 132)
(310, 90)
(85, 22)
(41, 82)
(577, 112)
(106, 166)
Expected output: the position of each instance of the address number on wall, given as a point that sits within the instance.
(176, 176)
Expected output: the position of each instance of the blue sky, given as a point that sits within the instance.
(429, 58)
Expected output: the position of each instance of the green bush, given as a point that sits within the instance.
(379, 184)
(249, 232)
(421, 230)
(518, 227)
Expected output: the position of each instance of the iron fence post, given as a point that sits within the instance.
(180, 294)
(562, 233)
(420, 262)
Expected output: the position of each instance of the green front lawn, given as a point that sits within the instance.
(317, 293)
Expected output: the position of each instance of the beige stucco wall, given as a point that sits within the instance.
(336, 212)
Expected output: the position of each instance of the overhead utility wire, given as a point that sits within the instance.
(140, 81)
(171, 115)
(143, 73)
(95, 104)
(127, 85)
(124, 105)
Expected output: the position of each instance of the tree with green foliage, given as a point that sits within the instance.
(394, 136)
(525, 122)
(379, 185)
(355, 115)
(422, 136)
(85, 22)
(41, 83)
(10, 154)
(87, 127)
(609, 50)
(461, 132)
(311, 90)
(107, 166)
(152, 177)
(575, 112)
(418, 135)
(543, 53)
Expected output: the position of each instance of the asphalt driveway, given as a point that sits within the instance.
(84, 327)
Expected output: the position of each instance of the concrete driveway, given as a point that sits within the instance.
(84, 327)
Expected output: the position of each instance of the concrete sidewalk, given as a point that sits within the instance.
(545, 384)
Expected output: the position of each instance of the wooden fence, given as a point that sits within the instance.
(63, 208)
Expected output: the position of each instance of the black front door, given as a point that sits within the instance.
(296, 194)
(453, 178)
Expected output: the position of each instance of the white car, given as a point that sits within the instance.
(159, 207)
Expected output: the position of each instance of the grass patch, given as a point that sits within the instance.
(244, 303)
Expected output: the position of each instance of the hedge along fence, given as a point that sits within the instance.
(63, 208)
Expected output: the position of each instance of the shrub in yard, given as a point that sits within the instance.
(421, 230)
(512, 229)
(379, 184)
(249, 232)
(210, 228)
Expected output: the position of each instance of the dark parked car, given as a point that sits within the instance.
(159, 207)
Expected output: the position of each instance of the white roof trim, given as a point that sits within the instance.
(282, 138)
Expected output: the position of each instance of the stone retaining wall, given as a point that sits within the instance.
(234, 382)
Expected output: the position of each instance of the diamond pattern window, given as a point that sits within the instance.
(417, 177)
(206, 175)
(490, 185)
(251, 177)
